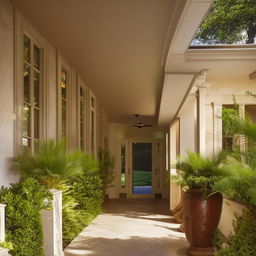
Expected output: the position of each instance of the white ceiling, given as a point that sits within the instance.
(118, 46)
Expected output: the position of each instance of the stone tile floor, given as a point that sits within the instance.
(131, 227)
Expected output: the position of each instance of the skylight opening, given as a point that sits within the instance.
(229, 22)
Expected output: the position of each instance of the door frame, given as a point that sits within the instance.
(153, 172)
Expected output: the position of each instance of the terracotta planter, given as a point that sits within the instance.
(201, 218)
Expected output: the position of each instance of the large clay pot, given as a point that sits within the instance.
(201, 216)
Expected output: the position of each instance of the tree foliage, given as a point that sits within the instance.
(229, 22)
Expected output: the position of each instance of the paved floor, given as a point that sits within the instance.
(134, 227)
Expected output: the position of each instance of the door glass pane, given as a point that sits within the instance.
(142, 168)
(123, 165)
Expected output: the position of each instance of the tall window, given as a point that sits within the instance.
(31, 93)
(63, 88)
(93, 124)
(82, 104)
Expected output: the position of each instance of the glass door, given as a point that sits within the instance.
(141, 184)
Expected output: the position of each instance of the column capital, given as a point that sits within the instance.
(200, 79)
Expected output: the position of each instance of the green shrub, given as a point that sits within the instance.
(73, 219)
(87, 189)
(82, 202)
(243, 241)
(238, 183)
(24, 201)
(106, 166)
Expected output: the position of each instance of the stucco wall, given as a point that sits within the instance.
(188, 126)
(6, 90)
(11, 86)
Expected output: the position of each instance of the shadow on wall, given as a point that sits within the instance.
(134, 246)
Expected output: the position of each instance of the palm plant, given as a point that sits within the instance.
(198, 172)
(49, 164)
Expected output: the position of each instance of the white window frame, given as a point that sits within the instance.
(22, 27)
(93, 109)
(81, 84)
(62, 65)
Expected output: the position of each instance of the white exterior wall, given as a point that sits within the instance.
(188, 135)
(6, 90)
(10, 109)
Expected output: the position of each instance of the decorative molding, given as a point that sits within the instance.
(200, 79)
(225, 54)
(253, 76)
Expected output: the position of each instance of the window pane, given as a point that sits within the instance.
(63, 85)
(92, 102)
(36, 88)
(63, 118)
(26, 51)
(36, 123)
(26, 142)
(36, 57)
(92, 131)
(26, 75)
(123, 165)
(26, 120)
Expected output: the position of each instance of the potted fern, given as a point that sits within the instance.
(202, 205)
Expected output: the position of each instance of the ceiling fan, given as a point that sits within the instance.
(139, 124)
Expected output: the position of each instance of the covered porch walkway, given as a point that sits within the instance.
(133, 227)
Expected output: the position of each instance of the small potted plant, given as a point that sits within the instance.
(202, 205)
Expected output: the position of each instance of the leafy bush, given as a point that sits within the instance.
(243, 241)
(82, 202)
(106, 166)
(24, 201)
(49, 164)
(238, 183)
(229, 117)
(73, 219)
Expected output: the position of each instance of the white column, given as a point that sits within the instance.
(217, 127)
(201, 119)
(242, 141)
(2, 222)
(52, 226)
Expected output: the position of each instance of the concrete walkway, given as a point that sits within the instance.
(134, 227)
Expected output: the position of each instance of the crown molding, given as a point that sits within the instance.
(225, 54)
